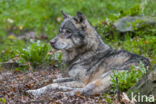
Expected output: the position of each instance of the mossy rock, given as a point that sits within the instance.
(133, 23)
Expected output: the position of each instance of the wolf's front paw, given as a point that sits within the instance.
(32, 93)
(74, 92)
(71, 93)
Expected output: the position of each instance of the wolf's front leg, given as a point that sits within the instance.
(59, 80)
(95, 87)
(66, 86)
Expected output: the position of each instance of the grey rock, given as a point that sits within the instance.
(130, 23)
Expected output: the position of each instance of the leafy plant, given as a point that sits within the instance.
(36, 53)
(2, 100)
(128, 78)
(108, 98)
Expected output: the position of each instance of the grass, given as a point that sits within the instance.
(41, 16)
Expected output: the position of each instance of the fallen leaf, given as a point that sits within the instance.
(119, 43)
(78, 93)
(21, 27)
(59, 19)
(146, 42)
(31, 86)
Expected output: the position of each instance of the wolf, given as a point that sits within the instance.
(90, 61)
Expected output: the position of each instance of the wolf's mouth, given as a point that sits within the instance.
(53, 45)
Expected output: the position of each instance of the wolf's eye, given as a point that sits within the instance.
(60, 30)
(68, 31)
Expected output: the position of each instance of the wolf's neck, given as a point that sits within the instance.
(94, 45)
(95, 39)
(70, 57)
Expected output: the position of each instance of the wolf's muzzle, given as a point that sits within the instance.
(53, 42)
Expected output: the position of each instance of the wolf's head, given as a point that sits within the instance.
(76, 37)
(72, 32)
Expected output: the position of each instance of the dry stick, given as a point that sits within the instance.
(146, 74)
(146, 80)
(118, 90)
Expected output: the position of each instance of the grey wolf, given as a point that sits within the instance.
(89, 59)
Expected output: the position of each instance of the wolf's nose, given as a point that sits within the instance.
(52, 42)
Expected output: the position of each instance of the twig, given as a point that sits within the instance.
(118, 90)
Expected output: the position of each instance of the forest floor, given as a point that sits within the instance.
(15, 83)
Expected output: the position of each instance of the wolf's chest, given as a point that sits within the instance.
(78, 72)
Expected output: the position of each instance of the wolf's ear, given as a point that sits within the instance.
(64, 15)
(80, 17)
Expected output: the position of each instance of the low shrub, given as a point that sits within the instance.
(36, 53)
(128, 78)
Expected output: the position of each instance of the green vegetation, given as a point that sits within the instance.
(9, 48)
(108, 98)
(127, 79)
(36, 53)
(43, 16)
(2, 100)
